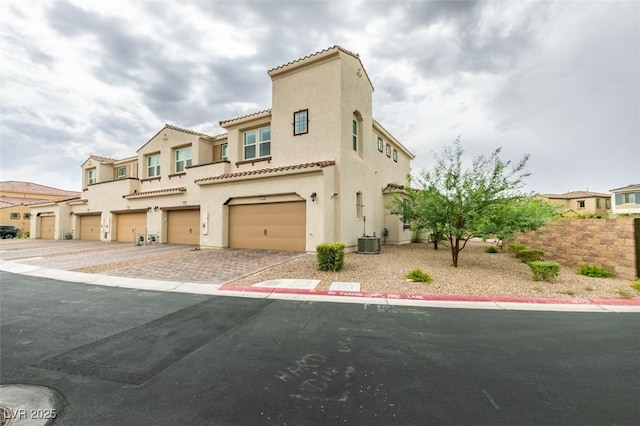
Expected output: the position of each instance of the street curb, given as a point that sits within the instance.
(426, 300)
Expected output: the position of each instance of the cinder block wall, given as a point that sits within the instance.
(611, 243)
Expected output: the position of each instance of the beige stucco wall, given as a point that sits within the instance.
(23, 223)
(331, 89)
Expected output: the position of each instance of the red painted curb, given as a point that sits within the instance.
(432, 297)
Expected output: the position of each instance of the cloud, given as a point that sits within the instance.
(559, 80)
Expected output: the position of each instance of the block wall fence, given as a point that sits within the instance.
(610, 243)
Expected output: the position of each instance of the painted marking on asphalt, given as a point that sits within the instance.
(495, 405)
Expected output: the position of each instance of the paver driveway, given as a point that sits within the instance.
(157, 261)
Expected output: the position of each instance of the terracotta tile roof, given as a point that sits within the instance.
(103, 160)
(22, 187)
(574, 194)
(16, 201)
(166, 191)
(266, 171)
(335, 48)
(391, 187)
(176, 128)
(245, 116)
(632, 187)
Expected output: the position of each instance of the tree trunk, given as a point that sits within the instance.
(455, 251)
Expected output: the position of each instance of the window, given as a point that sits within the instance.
(183, 159)
(224, 152)
(257, 143)
(581, 204)
(15, 216)
(597, 203)
(301, 122)
(380, 145)
(26, 215)
(122, 172)
(91, 176)
(388, 150)
(153, 165)
(355, 135)
(359, 205)
(629, 198)
(607, 203)
(395, 155)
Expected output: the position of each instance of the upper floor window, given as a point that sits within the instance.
(183, 159)
(153, 165)
(121, 172)
(301, 122)
(388, 150)
(91, 176)
(355, 134)
(629, 198)
(224, 152)
(26, 215)
(257, 143)
(395, 155)
(581, 204)
(15, 216)
(380, 145)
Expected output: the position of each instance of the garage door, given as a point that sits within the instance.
(279, 226)
(127, 222)
(90, 228)
(47, 227)
(183, 227)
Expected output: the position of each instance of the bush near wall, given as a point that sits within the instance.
(610, 243)
(330, 256)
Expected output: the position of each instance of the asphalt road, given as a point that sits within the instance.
(130, 357)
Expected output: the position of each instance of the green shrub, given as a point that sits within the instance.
(330, 256)
(594, 271)
(636, 284)
(544, 270)
(418, 276)
(491, 249)
(530, 255)
(515, 248)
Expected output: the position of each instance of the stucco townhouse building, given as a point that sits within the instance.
(315, 167)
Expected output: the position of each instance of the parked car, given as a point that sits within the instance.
(8, 231)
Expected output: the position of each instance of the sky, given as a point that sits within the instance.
(557, 80)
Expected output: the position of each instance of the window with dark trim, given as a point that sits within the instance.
(301, 122)
(15, 216)
(355, 135)
(395, 155)
(581, 204)
(388, 150)
(380, 145)
(26, 215)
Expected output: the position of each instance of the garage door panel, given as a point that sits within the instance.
(183, 226)
(47, 227)
(127, 222)
(90, 228)
(285, 225)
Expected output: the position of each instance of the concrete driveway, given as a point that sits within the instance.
(156, 261)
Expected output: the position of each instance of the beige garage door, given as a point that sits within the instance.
(279, 226)
(126, 223)
(47, 227)
(90, 228)
(183, 226)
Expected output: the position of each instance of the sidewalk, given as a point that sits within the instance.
(300, 290)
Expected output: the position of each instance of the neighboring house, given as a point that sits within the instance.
(17, 196)
(314, 168)
(580, 203)
(626, 200)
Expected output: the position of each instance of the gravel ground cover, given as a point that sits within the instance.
(478, 273)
